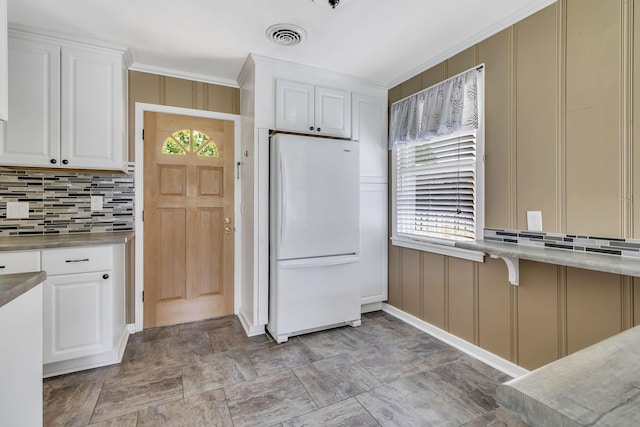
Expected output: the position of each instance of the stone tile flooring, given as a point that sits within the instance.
(383, 373)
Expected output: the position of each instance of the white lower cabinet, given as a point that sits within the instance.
(21, 360)
(77, 316)
(83, 313)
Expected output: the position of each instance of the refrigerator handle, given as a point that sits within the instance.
(283, 201)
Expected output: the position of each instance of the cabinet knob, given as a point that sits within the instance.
(319, 129)
(311, 128)
(105, 276)
(65, 162)
(53, 161)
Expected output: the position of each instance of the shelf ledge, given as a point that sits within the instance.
(512, 253)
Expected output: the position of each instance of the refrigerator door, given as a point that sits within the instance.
(315, 197)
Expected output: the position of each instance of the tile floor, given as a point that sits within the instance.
(384, 373)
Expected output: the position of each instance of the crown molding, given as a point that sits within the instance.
(24, 31)
(257, 59)
(180, 74)
(473, 40)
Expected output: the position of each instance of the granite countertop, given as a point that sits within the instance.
(14, 285)
(590, 261)
(52, 241)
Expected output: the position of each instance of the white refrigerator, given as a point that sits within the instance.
(314, 235)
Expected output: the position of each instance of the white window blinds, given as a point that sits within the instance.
(436, 139)
(435, 189)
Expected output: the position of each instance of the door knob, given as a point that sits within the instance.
(227, 230)
(227, 220)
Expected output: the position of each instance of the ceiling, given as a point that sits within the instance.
(384, 42)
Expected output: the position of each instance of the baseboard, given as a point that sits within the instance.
(472, 350)
(121, 345)
(368, 308)
(131, 328)
(249, 329)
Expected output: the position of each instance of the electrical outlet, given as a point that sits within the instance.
(17, 210)
(534, 220)
(96, 203)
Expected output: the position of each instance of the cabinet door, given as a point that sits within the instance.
(373, 243)
(332, 112)
(92, 109)
(369, 121)
(294, 107)
(32, 137)
(4, 71)
(77, 316)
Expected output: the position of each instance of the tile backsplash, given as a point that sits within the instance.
(571, 242)
(60, 201)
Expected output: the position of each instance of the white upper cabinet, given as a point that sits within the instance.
(370, 129)
(67, 105)
(333, 112)
(32, 138)
(4, 86)
(92, 108)
(312, 109)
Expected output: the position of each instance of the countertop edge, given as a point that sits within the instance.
(22, 243)
(589, 261)
(18, 284)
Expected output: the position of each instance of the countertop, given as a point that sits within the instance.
(52, 241)
(14, 285)
(600, 262)
(596, 386)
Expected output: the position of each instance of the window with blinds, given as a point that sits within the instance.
(436, 188)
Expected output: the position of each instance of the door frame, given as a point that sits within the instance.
(140, 109)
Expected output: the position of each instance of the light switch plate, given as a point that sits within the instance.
(17, 210)
(534, 220)
(96, 203)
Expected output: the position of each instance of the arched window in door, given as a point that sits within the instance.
(190, 141)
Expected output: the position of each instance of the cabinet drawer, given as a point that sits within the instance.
(19, 262)
(77, 260)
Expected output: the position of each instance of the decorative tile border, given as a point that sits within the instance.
(60, 201)
(571, 242)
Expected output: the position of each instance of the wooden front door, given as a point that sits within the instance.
(188, 218)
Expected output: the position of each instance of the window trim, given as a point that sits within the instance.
(442, 246)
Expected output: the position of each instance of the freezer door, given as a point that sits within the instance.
(314, 197)
(313, 294)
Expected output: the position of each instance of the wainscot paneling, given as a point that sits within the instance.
(434, 279)
(560, 103)
(593, 117)
(495, 52)
(536, 118)
(495, 308)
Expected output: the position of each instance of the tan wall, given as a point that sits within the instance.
(559, 137)
(161, 90)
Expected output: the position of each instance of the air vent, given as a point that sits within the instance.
(286, 34)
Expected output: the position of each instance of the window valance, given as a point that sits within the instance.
(442, 109)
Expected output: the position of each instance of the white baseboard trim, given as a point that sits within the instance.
(472, 350)
(249, 329)
(121, 345)
(131, 328)
(368, 308)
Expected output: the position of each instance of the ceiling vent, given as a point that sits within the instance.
(286, 34)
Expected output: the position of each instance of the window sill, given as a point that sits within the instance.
(445, 248)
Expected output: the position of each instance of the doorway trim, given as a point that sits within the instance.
(140, 109)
